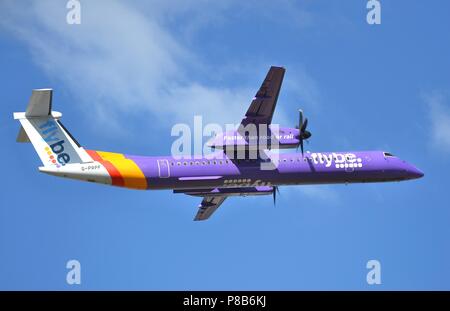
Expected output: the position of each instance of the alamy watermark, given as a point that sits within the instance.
(248, 142)
(374, 275)
(374, 15)
(74, 274)
(73, 16)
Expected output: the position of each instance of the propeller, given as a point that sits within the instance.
(275, 191)
(304, 134)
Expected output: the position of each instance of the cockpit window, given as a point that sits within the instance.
(387, 154)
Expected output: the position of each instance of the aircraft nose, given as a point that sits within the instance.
(413, 172)
(408, 171)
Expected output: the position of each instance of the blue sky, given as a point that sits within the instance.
(133, 69)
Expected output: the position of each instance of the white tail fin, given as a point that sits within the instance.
(41, 126)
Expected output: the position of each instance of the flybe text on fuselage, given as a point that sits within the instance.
(339, 160)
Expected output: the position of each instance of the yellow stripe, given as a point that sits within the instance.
(107, 156)
(131, 173)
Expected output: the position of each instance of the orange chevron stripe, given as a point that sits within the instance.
(94, 155)
(124, 172)
(116, 177)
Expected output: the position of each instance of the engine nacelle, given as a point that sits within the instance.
(280, 138)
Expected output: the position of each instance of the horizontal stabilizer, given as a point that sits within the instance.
(40, 104)
(22, 137)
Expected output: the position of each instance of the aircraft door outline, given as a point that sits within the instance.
(163, 168)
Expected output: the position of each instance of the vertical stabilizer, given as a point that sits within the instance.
(42, 127)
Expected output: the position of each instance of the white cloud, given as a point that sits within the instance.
(125, 57)
(439, 113)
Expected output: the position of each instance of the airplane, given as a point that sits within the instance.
(216, 176)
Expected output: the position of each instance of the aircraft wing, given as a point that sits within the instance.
(213, 198)
(208, 206)
(263, 104)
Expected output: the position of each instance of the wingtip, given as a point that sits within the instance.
(278, 67)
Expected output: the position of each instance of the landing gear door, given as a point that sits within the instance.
(163, 169)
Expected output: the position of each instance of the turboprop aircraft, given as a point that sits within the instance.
(242, 164)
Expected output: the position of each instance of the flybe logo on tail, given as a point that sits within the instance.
(50, 132)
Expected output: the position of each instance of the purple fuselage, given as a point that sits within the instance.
(291, 169)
